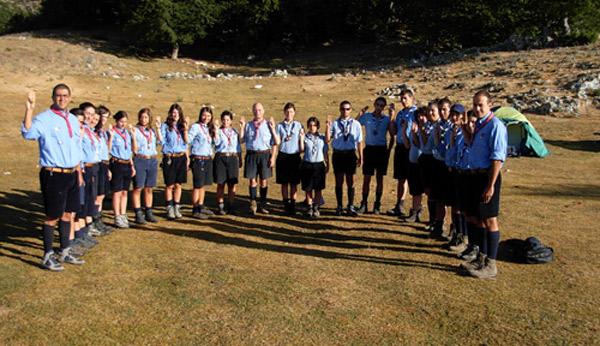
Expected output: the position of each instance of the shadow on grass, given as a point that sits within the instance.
(579, 191)
(591, 146)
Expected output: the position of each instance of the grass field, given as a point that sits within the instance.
(290, 280)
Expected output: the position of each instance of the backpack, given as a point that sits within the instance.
(537, 253)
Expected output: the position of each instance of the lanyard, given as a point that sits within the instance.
(479, 129)
(66, 117)
(149, 137)
(123, 135)
(379, 119)
(257, 126)
(313, 139)
(89, 133)
(288, 133)
(178, 133)
(205, 133)
(228, 135)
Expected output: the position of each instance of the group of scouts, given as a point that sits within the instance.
(450, 155)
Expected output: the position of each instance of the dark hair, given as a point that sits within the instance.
(470, 113)
(445, 100)
(210, 123)
(76, 111)
(85, 105)
(102, 110)
(484, 93)
(170, 119)
(227, 113)
(311, 120)
(345, 103)
(149, 112)
(406, 91)
(381, 98)
(288, 106)
(420, 110)
(120, 115)
(61, 87)
(433, 103)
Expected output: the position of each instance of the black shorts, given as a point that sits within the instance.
(174, 169)
(450, 197)
(103, 181)
(287, 168)
(415, 183)
(90, 177)
(439, 179)
(475, 205)
(257, 164)
(462, 190)
(202, 172)
(60, 192)
(376, 158)
(344, 161)
(426, 165)
(313, 176)
(226, 169)
(401, 162)
(121, 176)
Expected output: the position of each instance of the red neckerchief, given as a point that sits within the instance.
(178, 133)
(228, 136)
(66, 117)
(89, 133)
(123, 135)
(149, 137)
(480, 127)
(257, 126)
(205, 133)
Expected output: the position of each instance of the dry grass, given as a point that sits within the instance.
(281, 280)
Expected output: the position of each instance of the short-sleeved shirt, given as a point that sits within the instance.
(489, 142)
(90, 145)
(462, 154)
(289, 134)
(451, 157)
(427, 148)
(173, 142)
(121, 144)
(439, 149)
(314, 148)
(405, 115)
(345, 134)
(376, 128)
(146, 140)
(227, 141)
(103, 144)
(258, 136)
(201, 140)
(57, 147)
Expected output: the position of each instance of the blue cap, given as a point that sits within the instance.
(458, 108)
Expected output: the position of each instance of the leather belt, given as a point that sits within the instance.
(60, 170)
(106, 162)
(145, 157)
(91, 164)
(120, 161)
(175, 155)
(201, 157)
(227, 154)
(257, 151)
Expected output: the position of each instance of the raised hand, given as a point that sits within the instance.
(272, 122)
(328, 122)
(242, 122)
(392, 110)
(30, 100)
(186, 123)
(157, 122)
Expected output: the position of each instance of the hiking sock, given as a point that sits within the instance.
(472, 233)
(201, 207)
(493, 239)
(48, 234)
(431, 208)
(195, 210)
(339, 195)
(350, 196)
(263, 194)
(64, 230)
(169, 202)
(252, 193)
(456, 223)
(378, 195)
(137, 210)
(465, 224)
(483, 241)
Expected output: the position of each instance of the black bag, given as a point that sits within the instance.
(536, 253)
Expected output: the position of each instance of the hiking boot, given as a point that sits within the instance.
(221, 210)
(79, 250)
(230, 209)
(292, 207)
(436, 231)
(67, 257)
(470, 252)
(104, 226)
(351, 211)
(362, 209)
(139, 218)
(309, 211)
(413, 216)
(286, 207)
(452, 242)
(178, 211)
(88, 238)
(95, 232)
(487, 270)
(451, 233)
(253, 208)
(262, 208)
(397, 211)
(198, 215)
(461, 244)
(49, 262)
(207, 212)
(338, 211)
(170, 212)
(477, 263)
(121, 221)
(150, 216)
(316, 211)
(376, 208)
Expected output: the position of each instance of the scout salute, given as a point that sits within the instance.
(227, 164)
(288, 158)
(175, 159)
(121, 168)
(314, 166)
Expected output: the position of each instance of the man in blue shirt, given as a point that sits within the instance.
(488, 144)
(59, 138)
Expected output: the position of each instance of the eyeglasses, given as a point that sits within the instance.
(345, 109)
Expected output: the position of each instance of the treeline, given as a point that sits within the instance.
(273, 25)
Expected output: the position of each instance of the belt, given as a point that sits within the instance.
(145, 157)
(343, 151)
(201, 157)
(175, 155)
(91, 164)
(106, 162)
(479, 171)
(60, 170)
(257, 151)
(120, 161)
(227, 154)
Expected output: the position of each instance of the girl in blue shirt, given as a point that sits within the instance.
(315, 165)
(288, 158)
(227, 163)
(103, 171)
(121, 167)
(176, 160)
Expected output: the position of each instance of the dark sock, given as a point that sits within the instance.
(365, 198)
(48, 234)
(137, 210)
(169, 202)
(493, 239)
(64, 230)
(79, 234)
(252, 193)
(201, 207)
(456, 224)
(195, 209)
(263, 194)
(464, 225)
(339, 195)
(378, 197)
(483, 240)
(84, 230)
(431, 208)
(472, 233)
(350, 196)
(148, 209)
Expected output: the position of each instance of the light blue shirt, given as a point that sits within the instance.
(314, 148)
(261, 141)
(451, 157)
(489, 142)
(415, 150)
(405, 115)
(345, 134)
(57, 147)
(90, 145)
(376, 128)
(145, 147)
(121, 145)
(289, 134)
(103, 145)
(173, 142)
(228, 141)
(429, 140)
(201, 140)
(462, 155)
